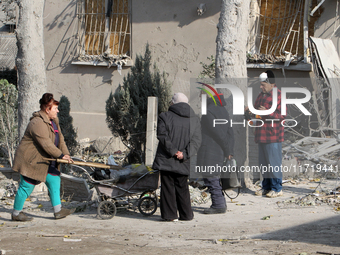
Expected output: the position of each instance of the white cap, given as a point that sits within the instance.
(179, 98)
(264, 77)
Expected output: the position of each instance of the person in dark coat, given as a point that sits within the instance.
(179, 135)
(217, 144)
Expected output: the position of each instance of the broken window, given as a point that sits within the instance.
(278, 30)
(104, 31)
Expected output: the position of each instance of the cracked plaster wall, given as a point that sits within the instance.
(179, 40)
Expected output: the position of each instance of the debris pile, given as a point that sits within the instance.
(312, 157)
(272, 59)
(7, 189)
(109, 59)
(331, 198)
(321, 151)
(199, 196)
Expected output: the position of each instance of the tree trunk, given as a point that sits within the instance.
(231, 66)
(30, 60)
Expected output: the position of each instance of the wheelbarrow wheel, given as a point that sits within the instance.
(147, 206)
(106, 210)
(149, 194)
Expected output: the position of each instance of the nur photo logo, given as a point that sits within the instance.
(238, 103)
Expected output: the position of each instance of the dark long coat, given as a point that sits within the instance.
(178, 129)
(218, 141)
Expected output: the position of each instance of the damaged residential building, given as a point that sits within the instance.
(90, 45)
(299, 41)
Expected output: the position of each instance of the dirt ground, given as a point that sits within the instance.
(244, 229)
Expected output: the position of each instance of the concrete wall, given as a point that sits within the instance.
(179, 40)
(327, 24)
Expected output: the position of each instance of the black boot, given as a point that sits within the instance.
(215, 210)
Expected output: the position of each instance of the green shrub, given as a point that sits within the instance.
(126, 109)
(65, 122)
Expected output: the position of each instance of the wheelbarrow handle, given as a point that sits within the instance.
(81, 163)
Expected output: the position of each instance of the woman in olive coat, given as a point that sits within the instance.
(42, 139)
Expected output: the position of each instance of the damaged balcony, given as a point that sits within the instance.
(279, 32)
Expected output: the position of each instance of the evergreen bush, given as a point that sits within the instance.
(66, 125)
(126, 109)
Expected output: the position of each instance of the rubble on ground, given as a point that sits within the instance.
(8, 188)
(199, 196)
(311, 157)
(312, 200)
(38, 201)
(315, 149)
(316, 159)
(319, 196)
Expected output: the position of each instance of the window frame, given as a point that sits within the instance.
(105, 58)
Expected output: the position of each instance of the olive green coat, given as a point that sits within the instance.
(36, 144)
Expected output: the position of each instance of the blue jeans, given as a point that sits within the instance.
(270, 162)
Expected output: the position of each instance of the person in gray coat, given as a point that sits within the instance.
(179, 135)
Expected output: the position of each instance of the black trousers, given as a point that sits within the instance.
(175, 197)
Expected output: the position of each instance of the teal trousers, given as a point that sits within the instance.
(25, 189)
